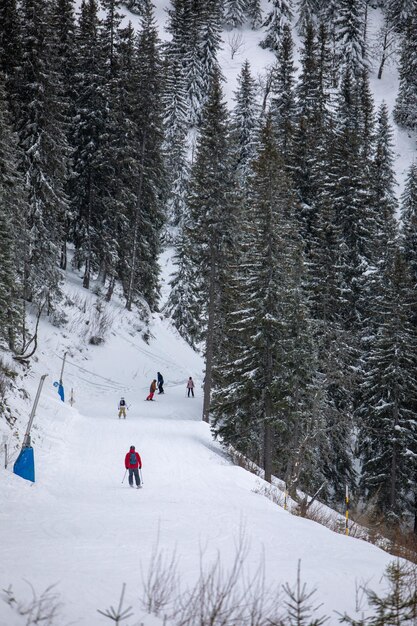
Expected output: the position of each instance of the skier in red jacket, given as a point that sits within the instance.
(133, 463)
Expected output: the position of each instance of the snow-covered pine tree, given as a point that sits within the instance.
(280, 15)
(245, 122)
(87, 128)
(112, 151)
(254, 13)
(136, 6)
(400, 12)
(409, 223)
(62, 27)
(10, 49)
(350, 36)
(328, 19)
(283, 94)
(383, 187)
(308, 12)
(405, 111)
(234, 13)
(195, 79)
(387, 416)
(44, 156)
(13, 209)
(310, 125)
(182, 306)
(350, 175)
(175, 142)
(210, 41)
(142, 243)
(212, 224)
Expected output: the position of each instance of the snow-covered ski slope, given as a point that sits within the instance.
(80, 528)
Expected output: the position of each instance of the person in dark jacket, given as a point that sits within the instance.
(152, 389)
(190, 387)
(160, 383)
(133, 463)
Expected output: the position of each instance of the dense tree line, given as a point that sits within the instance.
(308, 316)
(293, 273)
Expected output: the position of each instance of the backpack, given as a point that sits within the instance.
(122, 403)
(132, 458)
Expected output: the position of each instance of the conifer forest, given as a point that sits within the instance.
(295, 259)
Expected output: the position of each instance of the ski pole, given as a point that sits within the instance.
(140, 473)
(124, 477)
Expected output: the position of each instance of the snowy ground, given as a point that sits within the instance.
(80, 528)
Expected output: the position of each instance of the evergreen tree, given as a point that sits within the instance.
(245, 121)
(212, 222)
(87, 130)
(311, 108)
(142, 243)
(405, 111)
(10, 50)
(352, 197)
(44, 150)
(254, 13)
(280, 16)
(62, 26)
(12, 224)
(387, 416)
(307, 14)
(234, 13)
(350, 36)
(283, 94)
(329, 17)
(409, 223)
(400, 12)
(195, 79)
(182, 306)
(110, 199)
(210, 41)
(175, 142)
(383, 186)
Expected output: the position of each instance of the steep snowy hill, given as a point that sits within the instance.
(79, 528)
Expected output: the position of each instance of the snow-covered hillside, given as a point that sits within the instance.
(79, 528)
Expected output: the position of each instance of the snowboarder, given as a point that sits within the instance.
(122, 408)
(190, 387)
(160, 383)
(152, 390)
(133, 463)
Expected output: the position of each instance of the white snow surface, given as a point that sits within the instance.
(79, 528)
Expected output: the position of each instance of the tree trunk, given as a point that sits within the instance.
(210, 337)
(393, 477)
(129, 295)
(383, 59)
(64, 256)
(268, 430)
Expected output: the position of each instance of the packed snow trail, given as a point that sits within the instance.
(80, 528)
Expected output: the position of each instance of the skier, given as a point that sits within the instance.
(133, 463)
(122, 408)
(152, 390)
(160, 383)
(190, 387)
